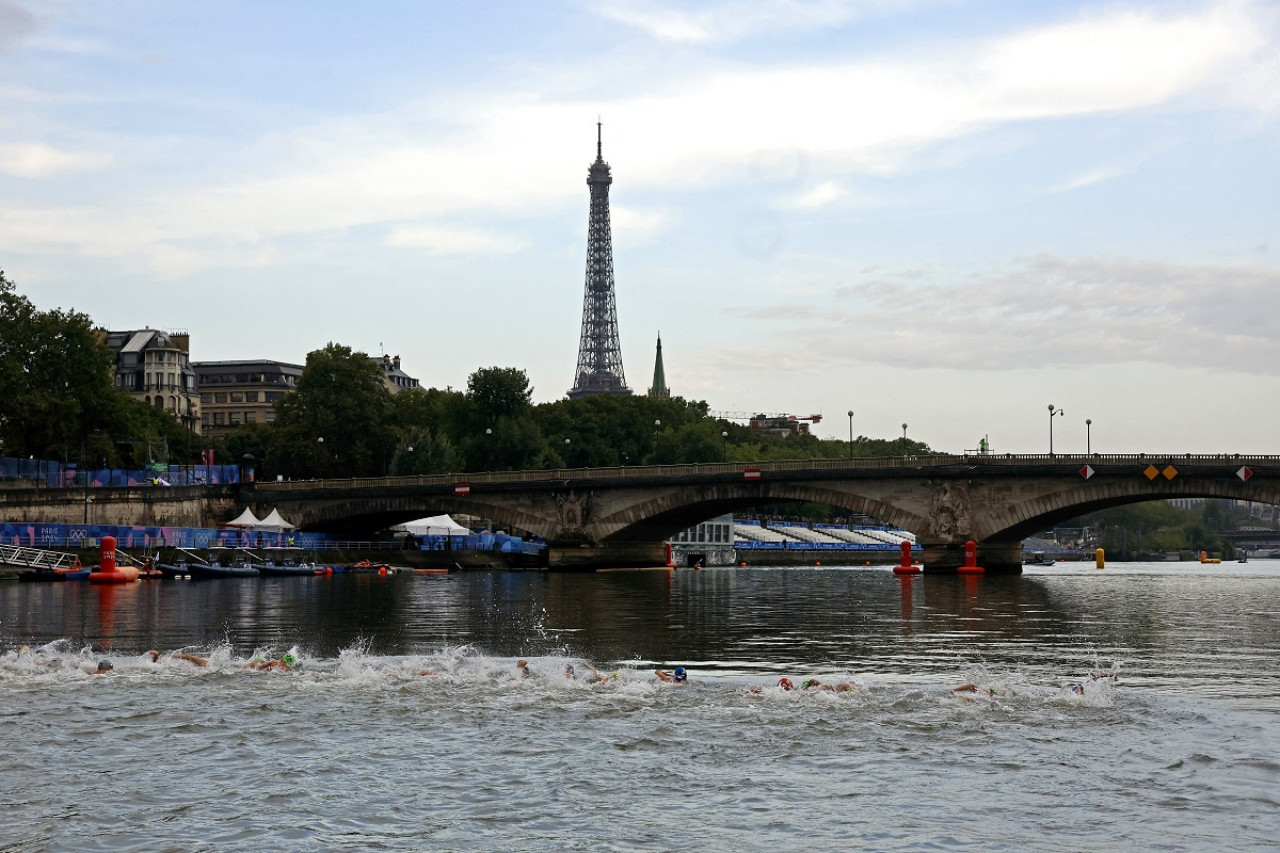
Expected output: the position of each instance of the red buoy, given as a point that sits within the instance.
(107, 571)
(906, 567)
(971, 566)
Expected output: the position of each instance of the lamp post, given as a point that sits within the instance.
(656, 423)
(724, 445)
(567, 443)
(904, 441)
(1088, 443)
(320, 443)
(851, 433)
(1052, 412)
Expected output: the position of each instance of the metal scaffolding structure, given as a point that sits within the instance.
(599, 350)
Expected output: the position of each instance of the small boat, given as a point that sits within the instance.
(215, 571)
(289, 569)
(1038, 560)
(171, 571)
(54, 575)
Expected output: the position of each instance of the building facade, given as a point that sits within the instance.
(395, 379)
(235, 393)
(155, 367)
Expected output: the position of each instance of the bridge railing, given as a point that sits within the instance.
(649, 472)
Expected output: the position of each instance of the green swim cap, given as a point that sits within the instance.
(289, 659)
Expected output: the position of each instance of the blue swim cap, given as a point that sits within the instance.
(681, 675)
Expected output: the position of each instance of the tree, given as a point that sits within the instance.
(423, 451)
(499, 392)
(56, 387)
(336, 423)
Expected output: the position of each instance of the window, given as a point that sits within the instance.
(206, 397)
(270, 417)
(237, 397)
(218, 419)
(220, 397)
(250, 417)
(251, 396)
(233, 418)
(272, 396)
(204, 418)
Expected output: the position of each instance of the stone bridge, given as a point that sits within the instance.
(619, 517)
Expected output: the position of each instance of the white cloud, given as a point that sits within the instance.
(16, 23)
(459, 154)
(37, 160)
(445, 240)
(820, 196)
(1044, 313)
(734, 19)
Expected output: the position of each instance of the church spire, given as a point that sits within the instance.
(659, 388)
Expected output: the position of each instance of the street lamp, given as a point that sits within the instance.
(904, 441)
(1088, 443)
(1052, 412)
(851, 433)
(320, 442)
(724, 445)
(656, 423)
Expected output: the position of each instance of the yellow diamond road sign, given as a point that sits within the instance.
(1151, 471)
(1170, 472)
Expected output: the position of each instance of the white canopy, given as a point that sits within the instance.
(275, 522)
(244, 519)
(436, 525)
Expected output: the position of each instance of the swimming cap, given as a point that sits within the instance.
(785, 683)
(289, 659)
(105, 664)
(681, 675)
(809, 682)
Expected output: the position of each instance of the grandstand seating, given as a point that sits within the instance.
(756, 533)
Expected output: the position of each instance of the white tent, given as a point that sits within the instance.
(274, 523)
(245, 519)
(436, 525)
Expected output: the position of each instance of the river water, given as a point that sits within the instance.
(357, 750)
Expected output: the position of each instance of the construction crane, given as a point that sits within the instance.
(750, 416)
(772, 423)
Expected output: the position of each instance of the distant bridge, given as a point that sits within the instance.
(618, 517)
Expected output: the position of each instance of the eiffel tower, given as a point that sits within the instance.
(599, 351)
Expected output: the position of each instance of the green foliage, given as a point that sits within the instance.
(1157, 526)
(337, 423)
(57, 397)
(422, 451)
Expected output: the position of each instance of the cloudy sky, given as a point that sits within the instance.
(948, 213)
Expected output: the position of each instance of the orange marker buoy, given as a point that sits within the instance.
(971, 566)
(107, 571)
(819, 563)
(382, 571)
(906, 567)
(743, 564)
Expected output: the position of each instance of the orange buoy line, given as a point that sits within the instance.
(107, 571)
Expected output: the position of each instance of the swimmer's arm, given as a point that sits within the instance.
(665, 676)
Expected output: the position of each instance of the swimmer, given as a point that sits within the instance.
(522, 666)
(786, 684)
(679, 676)
(599, 677)
(974, 689)
(198, 661)
(568, 672)
(428, 672)
(104, 667)
(285, 664)
(814, 684)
